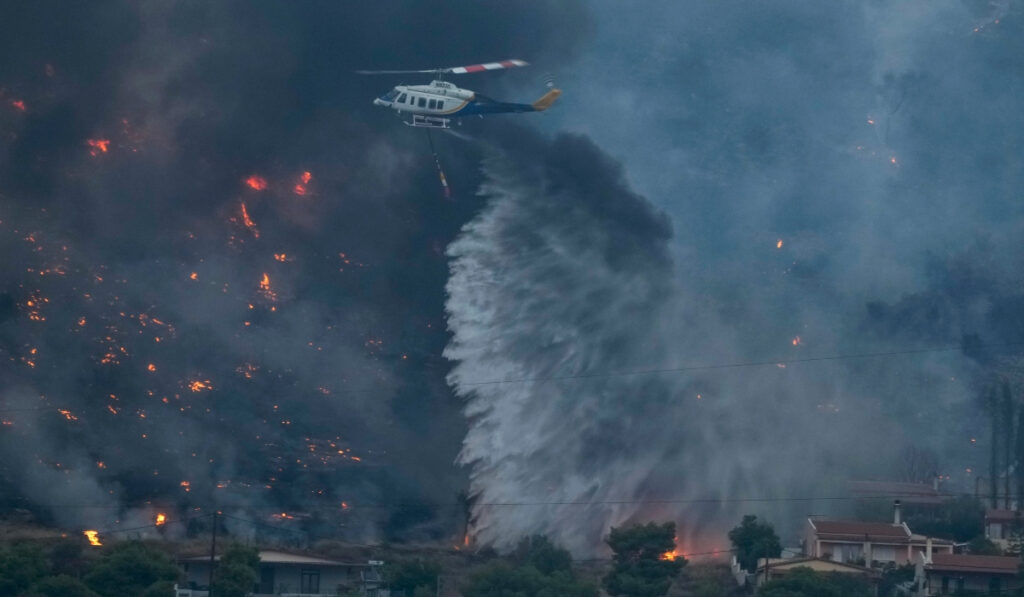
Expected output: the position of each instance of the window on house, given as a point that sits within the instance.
(945, 585)
(995, 584)
(309, 582)
(422, 102)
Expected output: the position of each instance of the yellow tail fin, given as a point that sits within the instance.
(545, 102)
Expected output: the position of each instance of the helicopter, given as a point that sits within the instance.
(437, 104)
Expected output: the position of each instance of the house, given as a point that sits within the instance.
(779, 567)
(868, 543)
(949, 574)
(1002, 526)
(295, 575)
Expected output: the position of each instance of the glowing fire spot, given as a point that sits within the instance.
(892, 160)
(265, 288)
(186, 486)
(796, 341)
(193, 276)
(300, 188)
(151, 367)
(778, 244)
(256, 183)
(198, 386)
(871, 121)
(101, 464)
(247, 221)
(282, 257)
(67, 414)
(161, 519)
(344, 505)
(98, 146)
(93, 537)
(18, 104)
(81, 322)
(669, 555)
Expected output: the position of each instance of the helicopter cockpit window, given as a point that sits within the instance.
(401, 99)
(422, 102)
(390, 96)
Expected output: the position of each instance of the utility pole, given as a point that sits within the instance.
(213, 552)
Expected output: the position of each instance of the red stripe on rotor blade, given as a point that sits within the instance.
(475, 68)
(508, 63)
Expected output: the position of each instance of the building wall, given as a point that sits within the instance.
(971, 582)
(287, 577)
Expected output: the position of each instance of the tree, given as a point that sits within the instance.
(130, 569)
(20, 566)
(501, 579)
(60, 586)
(405, 578)
(752, 540)
(981, 546)
(643, 562)
(538, 551)
(804, 582)
(237, 571)
(959, 519)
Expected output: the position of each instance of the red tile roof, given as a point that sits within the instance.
(959, 562)
(860, 531)
(1004, 516)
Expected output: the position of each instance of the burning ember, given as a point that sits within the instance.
(300, 188)
(98, 146)
(778, 244)
(247, 221)
(265, 288)
(161, 520)
(198, 386)
(256, 183)
(669, 555)
(796, 341)
(19, 104)
(93, 537)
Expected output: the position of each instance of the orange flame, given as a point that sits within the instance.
(151, 367)
(282, 257)
(300, 188)
(93, 537)
(98, 146)
(796, 341)
(198, 386)
(778, 244)
(161, 519)
(19, 104)
(256, 183)
(67, 414)
(248, 221)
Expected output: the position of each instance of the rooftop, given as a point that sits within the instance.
(859, 531)
(959, 562)
(1004, 516)
(268, 556)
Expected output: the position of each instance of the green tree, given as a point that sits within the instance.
(501, 579)
(641, 567)
(405, 578)
(130, 569)
(752, 540)
(960, 519)
(20, 566)
(804, 582)
(237, 571)
(981, 546)
(538, 551)
(60, 586)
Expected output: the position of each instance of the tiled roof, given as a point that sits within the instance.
(859, 531)
(1004, 516)
(959, 562)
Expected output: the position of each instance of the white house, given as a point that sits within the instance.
(868, 543)
(292, 575)
(948, 574)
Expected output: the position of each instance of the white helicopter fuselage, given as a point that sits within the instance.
(434, 105)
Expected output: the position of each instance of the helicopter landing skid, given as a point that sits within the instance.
(432, 122)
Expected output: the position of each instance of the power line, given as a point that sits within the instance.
(737, 365)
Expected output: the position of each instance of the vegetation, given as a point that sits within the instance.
(407, 578)
(537, 568)
(752, 540)
(237, 571)
(981, 546)
(804, 582)
(644, 561)
(131, 569)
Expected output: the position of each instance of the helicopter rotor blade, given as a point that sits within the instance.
(455, 70)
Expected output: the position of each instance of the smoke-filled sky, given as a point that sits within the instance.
(230, 281)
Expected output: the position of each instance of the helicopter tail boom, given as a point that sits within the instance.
(546, 100)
